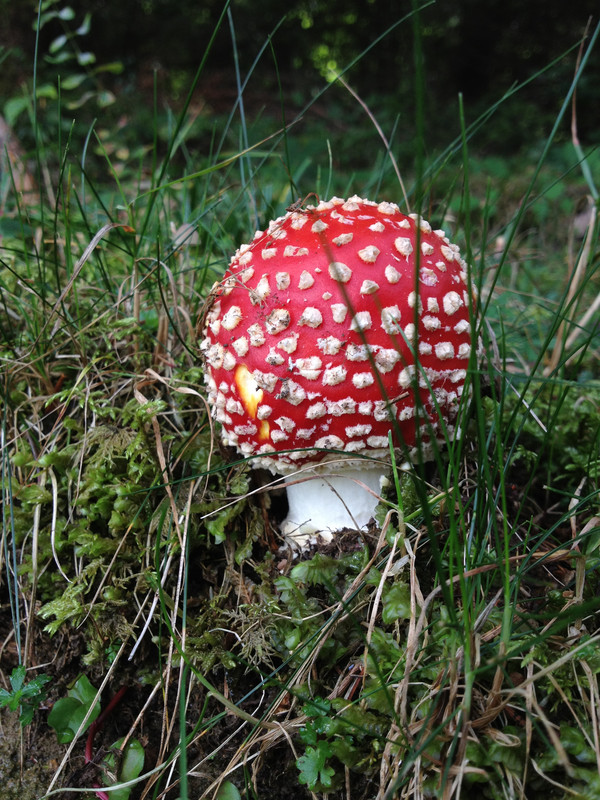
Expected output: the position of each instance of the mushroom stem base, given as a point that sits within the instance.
(327, 503)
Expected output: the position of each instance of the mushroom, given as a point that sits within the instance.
(340, 323)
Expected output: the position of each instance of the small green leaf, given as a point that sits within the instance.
(85, 26)
(313, 770)
(228, 791)
(86, 58)
(69, 712)
(66, 14)
(132, 763)
(73, 81)
(58, 43)
(396, 603)
(17, 679)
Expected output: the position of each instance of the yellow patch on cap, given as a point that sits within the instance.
(250, 392)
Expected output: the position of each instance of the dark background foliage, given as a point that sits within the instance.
(478, 48)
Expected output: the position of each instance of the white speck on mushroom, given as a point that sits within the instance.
(377, 441)
(277, 321)
(262, 291)
(282, 280)
(338, 408)
(361, 321)
(410, 333)
(351, 205)
(412, 301)
(432, 305)
(330, 345)
(269, 252)
(229, 361)
(452, 302)
(428, 276)
(352, 431)
(340, 272)
(403, 246)
(387, 208)
(264, 412)
(309, 368)
(426, 248)
(311, 317)
(215, 355)
(392, 275)
(265, 380)
(275, 231)
(444, 350)
(274, 359)
(404, 223)
(326, 296)
(390, 319)
(423, 224)
(343, 238)
(463, 326)
(241, 346)
(343, 220)
(234, 406)
(222, 417)
(245, 275)
(441, 265)
(231, 318)
(306, 280)
(316, 411)
(285, 423)
(381, 412)
(245, 258)
(369, 287)
(306, 433)
(292, 392)
(290, 251)
(377, 227)
(289, 344)
(339, 311)
(245, 430)
(319, 226)
(279, 436)
(447, 252)
(334, 375)
(440, 234)
(458, 375)
(329, 443)
(362, 380)
(406, 376)
(386, 359)
(357, 352)
(464, 350)
(355, 446)
(369, 254)
(299, 220)
(431, 323)
(425, 348)
(366, 408)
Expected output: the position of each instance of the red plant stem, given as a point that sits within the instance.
(97, 725)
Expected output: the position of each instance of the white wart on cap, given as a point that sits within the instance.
(323, 332)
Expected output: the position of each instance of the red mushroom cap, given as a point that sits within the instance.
(310, 342)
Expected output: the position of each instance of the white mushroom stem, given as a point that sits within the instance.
(330, 501)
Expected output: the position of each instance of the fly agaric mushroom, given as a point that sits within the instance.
(319, 337)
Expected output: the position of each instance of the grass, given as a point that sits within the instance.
(451, 650)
